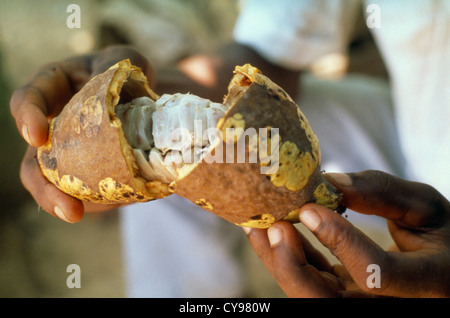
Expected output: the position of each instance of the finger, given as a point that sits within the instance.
(409, 204)
(43, 97)
(314, 256)
(352, 247)
(27, 107)
(280, 249)
(294, 274)
(420, 273)
(399, 274)
(261, 245)
(47, 196)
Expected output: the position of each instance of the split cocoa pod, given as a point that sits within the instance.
(252, 160)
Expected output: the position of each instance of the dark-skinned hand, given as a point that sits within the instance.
(418, 219)
(43, 97)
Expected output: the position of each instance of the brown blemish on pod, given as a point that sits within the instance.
(115, 191)
(261, 221)
(89, 118)
(68, 182)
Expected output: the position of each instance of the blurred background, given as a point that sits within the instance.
(36, 248)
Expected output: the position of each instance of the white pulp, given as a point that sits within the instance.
(168, 133)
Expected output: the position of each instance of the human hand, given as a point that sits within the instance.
(418, 218)
(43, 97)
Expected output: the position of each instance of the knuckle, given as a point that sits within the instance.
(374, 185)
(29, 169)
(381, 181)
(335, 236)
(15, 101)
(434, 200)
(25, 94)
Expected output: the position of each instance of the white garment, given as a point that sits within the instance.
(172, 248)
(414, 38)
(295, 34)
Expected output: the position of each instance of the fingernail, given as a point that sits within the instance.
(247, 229)
(310, 219)
(275, 236)
(340, 179)
(59, 212)
(25, 134)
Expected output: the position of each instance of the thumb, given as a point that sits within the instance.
(353, 248)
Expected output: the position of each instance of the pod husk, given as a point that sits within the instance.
(88, 157)
(240, 192)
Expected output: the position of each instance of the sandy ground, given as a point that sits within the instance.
(35, 248)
